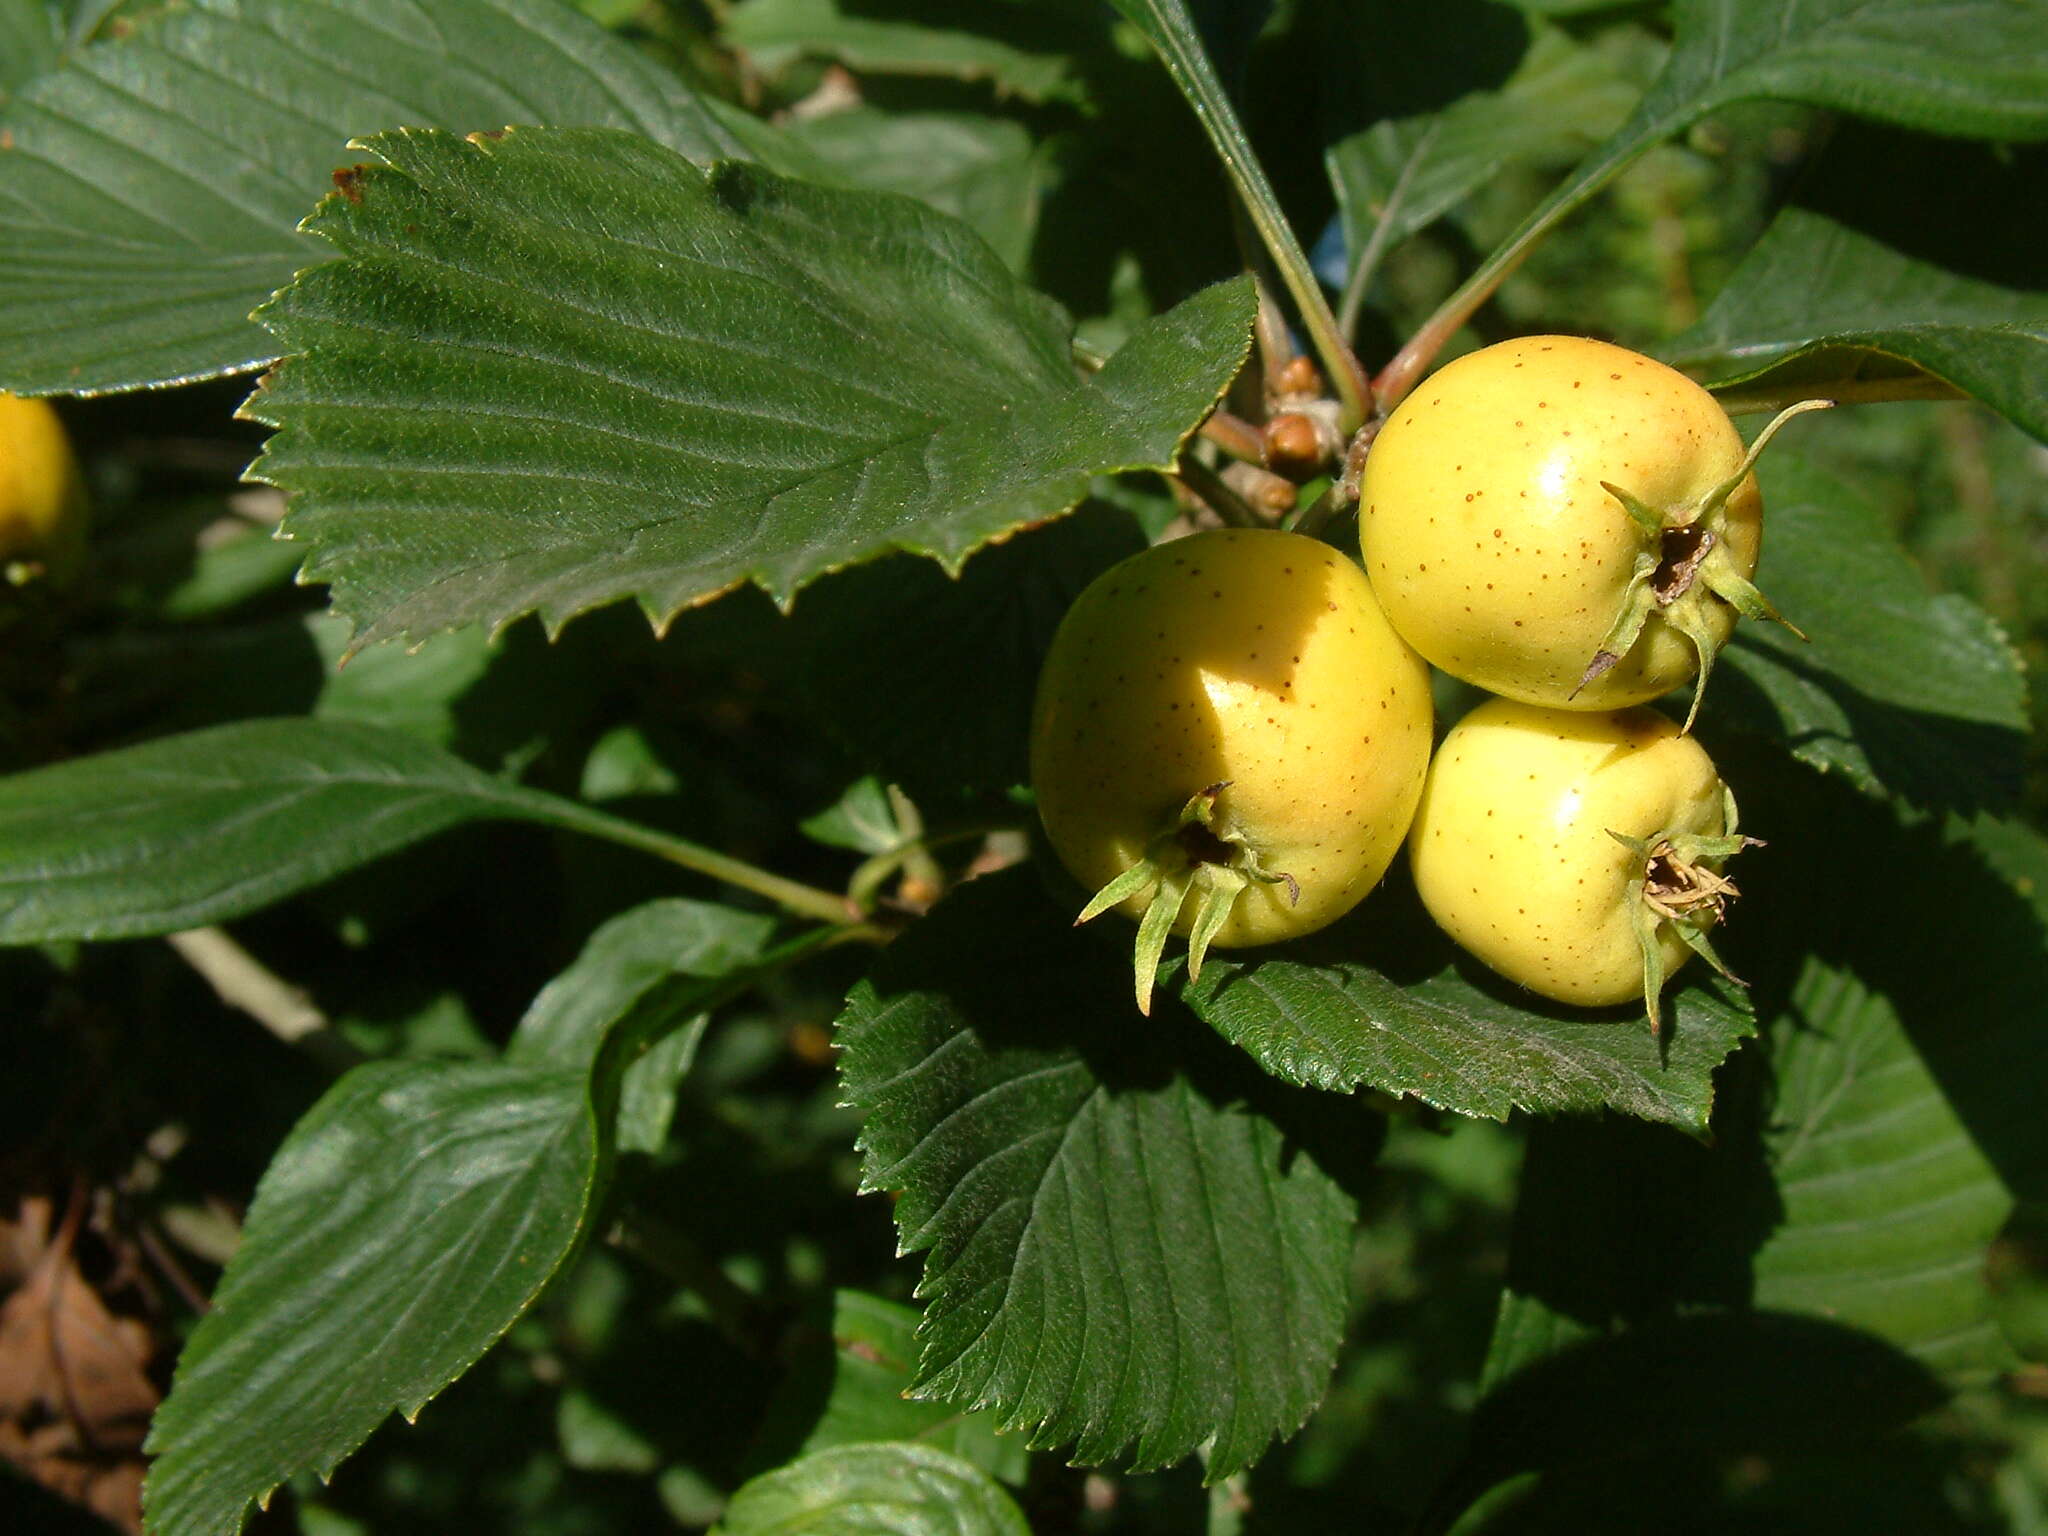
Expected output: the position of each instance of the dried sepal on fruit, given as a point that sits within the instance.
(1578, 854)
(1564, 522)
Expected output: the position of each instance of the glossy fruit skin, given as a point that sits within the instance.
(1489, 538)
(42, 499)
(1511, 847)
(1244, 656)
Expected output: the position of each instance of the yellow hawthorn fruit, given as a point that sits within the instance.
(42, 499)
(1578, 854)
(1564, 522)
(1228, 740)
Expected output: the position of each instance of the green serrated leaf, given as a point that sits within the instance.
(848, 1385)
(874, 1490)
(1311, 1015)
(151, 187)
(1129, 1253)
(1816, 305)
(1901, 690)
(218, 823)
(409, 1219)
(664, 382)
(775, 32)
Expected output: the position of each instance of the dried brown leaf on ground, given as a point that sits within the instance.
(75, 1392)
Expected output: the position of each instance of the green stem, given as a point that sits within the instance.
(1362, 270)
(1752, 399)
(791, 895)
(1393, 382)
(1181, 51)
(872, 873)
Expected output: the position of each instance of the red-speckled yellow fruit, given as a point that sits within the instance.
(1228, 721)
(1564, 522)
(1576, 853)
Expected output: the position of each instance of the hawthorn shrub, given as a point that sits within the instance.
(524, 903)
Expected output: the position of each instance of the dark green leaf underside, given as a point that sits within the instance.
(567, 367)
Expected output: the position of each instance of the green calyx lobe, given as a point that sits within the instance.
(1683, 568)
(1198, 855)
(1679, 886)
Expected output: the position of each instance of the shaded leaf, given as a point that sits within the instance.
(1818, 301)
(665, 382)
(651, 974)
(408, 1220)
(848, 1386)
(775, 32)
(1903, 691)
(862, 819)
(217, 823)
(630, 957)
(1129, 1253)
(196, 562)
(1170, 27)
(1405, 173)
(1971, 67)
(1957, 67)
(927, 679)
(985, 171)
(1834, 1236)
(151, 195)
(874, 1490)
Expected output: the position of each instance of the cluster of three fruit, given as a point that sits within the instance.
(1233, 730)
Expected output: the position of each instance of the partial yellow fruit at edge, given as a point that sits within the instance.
(42, 498)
